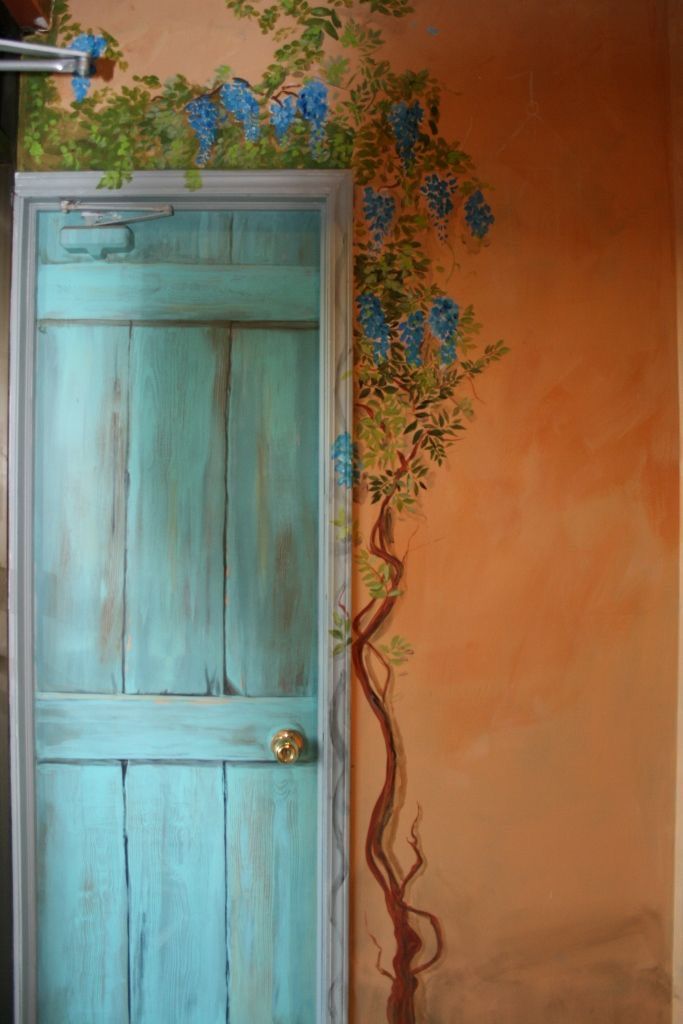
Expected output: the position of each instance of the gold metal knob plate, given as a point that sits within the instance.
(287, 745)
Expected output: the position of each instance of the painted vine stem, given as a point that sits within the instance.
(368, 624)
(382, 569)
(329, 98)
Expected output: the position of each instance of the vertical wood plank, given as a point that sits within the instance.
(271, 902)
(79, 514)
(285, 237)
(176, 863)
(82, 908)
(272, 521)
(176, 511)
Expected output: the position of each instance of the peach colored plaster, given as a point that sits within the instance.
(539, 710)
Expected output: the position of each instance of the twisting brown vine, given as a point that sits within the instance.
(367, 624)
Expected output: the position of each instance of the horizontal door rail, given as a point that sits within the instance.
(81, 727)
(173, 291)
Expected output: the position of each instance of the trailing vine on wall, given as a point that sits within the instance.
(330, 98)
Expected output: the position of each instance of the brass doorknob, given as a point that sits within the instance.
(287, 745)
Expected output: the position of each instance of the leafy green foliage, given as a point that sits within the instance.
(340, 632)
(376, 575)
(343, 526)
(397, 651)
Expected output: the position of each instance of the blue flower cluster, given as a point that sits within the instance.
(95, 46)
(282, 113)
(374, 323)
(478, 214)
(412, 332)
(443, 320)
(313, 107)
(345, 457)
(202, 115)
(239, 100)
(438, 192)
(405, 123)
(379, 211)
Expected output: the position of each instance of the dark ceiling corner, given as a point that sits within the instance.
(29, 15)
(9, 87)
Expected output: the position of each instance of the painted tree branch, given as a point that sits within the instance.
(394, 884)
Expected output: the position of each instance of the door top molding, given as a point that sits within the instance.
(237, 186)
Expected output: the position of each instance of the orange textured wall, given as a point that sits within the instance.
(538, 713)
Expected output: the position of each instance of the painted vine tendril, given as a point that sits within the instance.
(330, 98)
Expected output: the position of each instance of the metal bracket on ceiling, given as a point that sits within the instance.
(49, 58)
(101, 215)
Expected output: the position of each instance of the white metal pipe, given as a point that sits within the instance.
(60, 66)
(78, 58)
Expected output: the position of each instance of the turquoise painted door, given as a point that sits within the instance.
(175, 603)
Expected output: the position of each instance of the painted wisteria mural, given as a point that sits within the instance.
(330, 98)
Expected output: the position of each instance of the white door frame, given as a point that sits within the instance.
(331, 192)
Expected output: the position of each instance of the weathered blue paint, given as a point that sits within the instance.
(81, 413)
(179, 460)
(82, 899)
(176, 864)
(176, 510)
(168, 291)
(168, 728)
(271, 908)
(186, 237)
(282, 238)
(272, 532)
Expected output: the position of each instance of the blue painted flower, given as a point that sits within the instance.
(202, 115)
(95, 46)
(412, 332)
(374, 324)
(405, 123)
(438, 192)
(80, 85)
(239, 100)
(282, 113)
(346, 463)
(378, 210)
(313, 106)
(443, 321)
(478, 214)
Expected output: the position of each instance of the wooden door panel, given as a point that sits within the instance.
(176, 510)
(81, 426)
(279, 237)
(272, 521)
(175, 836)
(271, 910)
(82, 896)
(193, 885)
(176, 601)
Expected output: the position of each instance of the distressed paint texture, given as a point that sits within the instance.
(538, 711)
(272, 471)
(271, 906)
(83, 907)
(151, 774)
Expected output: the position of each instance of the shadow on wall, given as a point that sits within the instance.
(608, 972)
